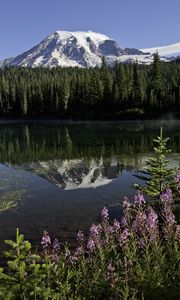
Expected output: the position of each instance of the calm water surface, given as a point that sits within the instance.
(58, 176)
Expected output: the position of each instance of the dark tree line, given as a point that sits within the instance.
(124, 91)
(49, 141)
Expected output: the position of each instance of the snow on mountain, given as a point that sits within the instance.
(80, 173)
(64, 48)
(82, 49)
(72, 174)
(170, 50)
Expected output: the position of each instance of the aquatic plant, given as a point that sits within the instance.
(9, 200)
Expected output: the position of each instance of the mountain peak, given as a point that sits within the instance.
(79, 48)
(81, 34)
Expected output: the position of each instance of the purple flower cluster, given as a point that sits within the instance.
(124, 237)
(91, 246)
(139, 199)
(124, 222)
(177, 179)
(73, 260)
(74, 257)
(139, 226)
(79, 251)
(167, 214)
(177, 234)
(95, 230)
(166, 196)
(103, 242)
(139, 223)
(80, 236)
(55, 257)
(126, 204)
(141, 244)
(110, 230)
(55, 250)
(105, 214)
(111, 271)
(116, 226)
(45, 241)
(56, 245)
(152, 225)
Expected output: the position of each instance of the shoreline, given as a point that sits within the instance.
(95, 121)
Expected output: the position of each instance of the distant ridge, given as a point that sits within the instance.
(169, 50)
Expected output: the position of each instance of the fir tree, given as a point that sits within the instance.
(136, 86)
(158, 85)
(159, 176)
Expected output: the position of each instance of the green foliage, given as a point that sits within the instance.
(20, 263)
(159, 175)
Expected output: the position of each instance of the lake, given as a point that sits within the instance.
(58, 176)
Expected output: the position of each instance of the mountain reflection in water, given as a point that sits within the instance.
(58, 176)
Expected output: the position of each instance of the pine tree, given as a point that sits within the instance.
(136, 86)
(159, 176)
(24, 104)
(157, 82)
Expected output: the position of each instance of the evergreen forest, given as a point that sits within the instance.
(125, 91)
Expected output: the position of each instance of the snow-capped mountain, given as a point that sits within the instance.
(170, 50)
(82, 49)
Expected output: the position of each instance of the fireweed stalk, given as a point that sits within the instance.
(130, 258)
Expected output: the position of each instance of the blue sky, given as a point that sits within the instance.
(133, 23)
